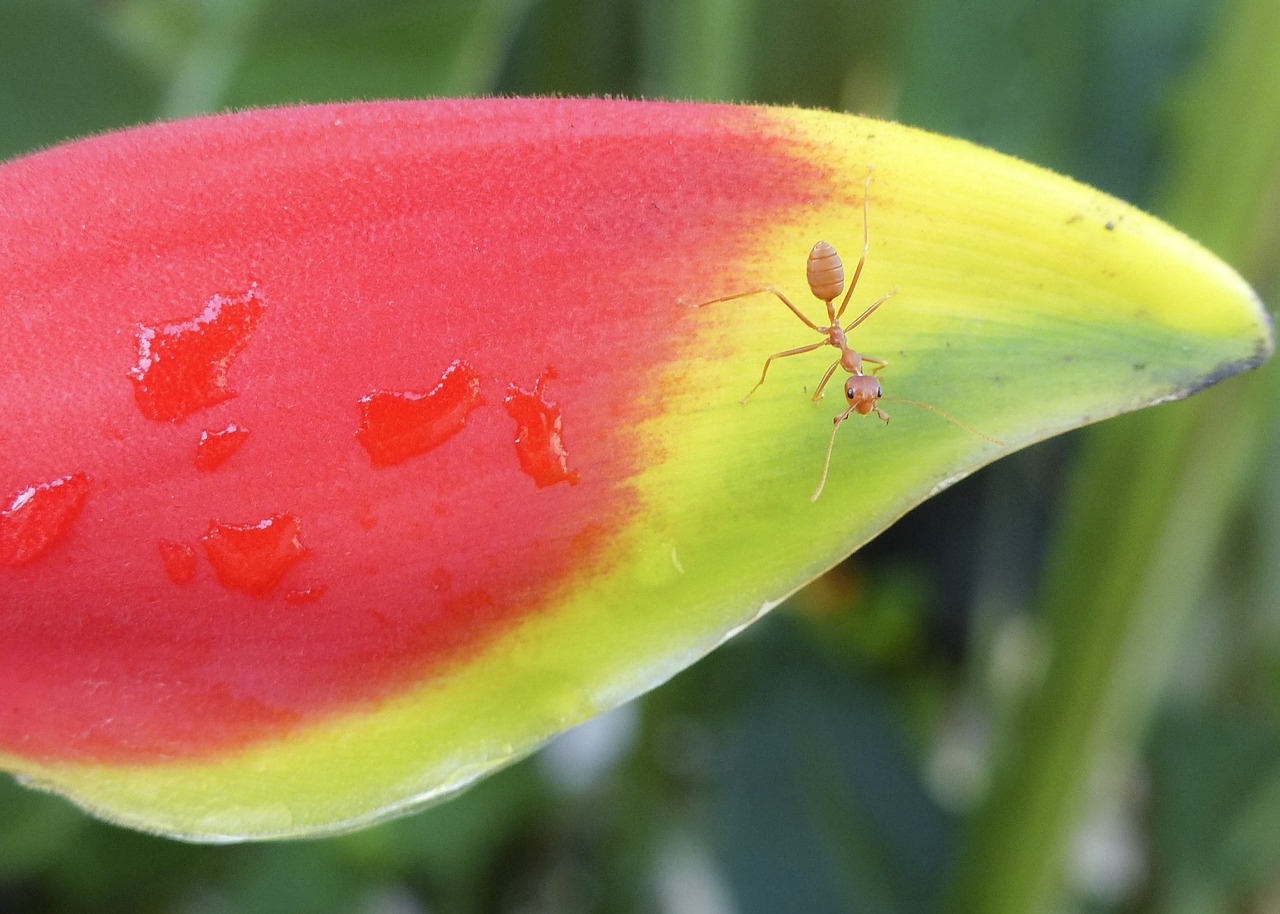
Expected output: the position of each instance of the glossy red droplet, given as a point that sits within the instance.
(214, 448)
(306, 595)
(397, 425)
(38, 515)
(254, 557)
(179, 560)
(539, 439)
(182, 365)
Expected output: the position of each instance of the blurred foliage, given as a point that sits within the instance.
(839, 755)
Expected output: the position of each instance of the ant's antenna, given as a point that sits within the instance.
(946, 415)
(835, 427)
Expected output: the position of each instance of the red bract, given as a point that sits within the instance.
(312, 274)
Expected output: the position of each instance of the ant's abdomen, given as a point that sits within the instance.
(825, 271)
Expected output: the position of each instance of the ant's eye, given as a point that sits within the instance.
(879, 392)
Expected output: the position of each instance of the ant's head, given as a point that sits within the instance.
(862, 391)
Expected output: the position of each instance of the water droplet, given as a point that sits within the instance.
(214, 448)
(539, 443)
(38, 515)
(182, 366)
(307, 595)
(397, 425)
(179, 560)
(254, 557)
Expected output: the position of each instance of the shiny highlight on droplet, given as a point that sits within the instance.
(304, 595)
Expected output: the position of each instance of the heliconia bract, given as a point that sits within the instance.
(349, 452)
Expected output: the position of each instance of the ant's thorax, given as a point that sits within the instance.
(850, 359)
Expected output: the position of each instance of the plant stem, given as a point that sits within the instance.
(1146, 511)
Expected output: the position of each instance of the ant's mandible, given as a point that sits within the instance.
(862, 391)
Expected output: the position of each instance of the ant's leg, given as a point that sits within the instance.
(817, 394)
(875, 304)
(866, 243)
(878, 363)
(770, 289)
(781, 355)
(826, 464)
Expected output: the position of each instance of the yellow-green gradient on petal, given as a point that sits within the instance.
(1026, 304)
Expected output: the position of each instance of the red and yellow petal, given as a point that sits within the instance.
(496, 476)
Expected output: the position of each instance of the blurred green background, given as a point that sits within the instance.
(1055, 687)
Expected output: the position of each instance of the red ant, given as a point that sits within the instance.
(825, 272)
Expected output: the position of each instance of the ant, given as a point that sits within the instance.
(862, 391)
